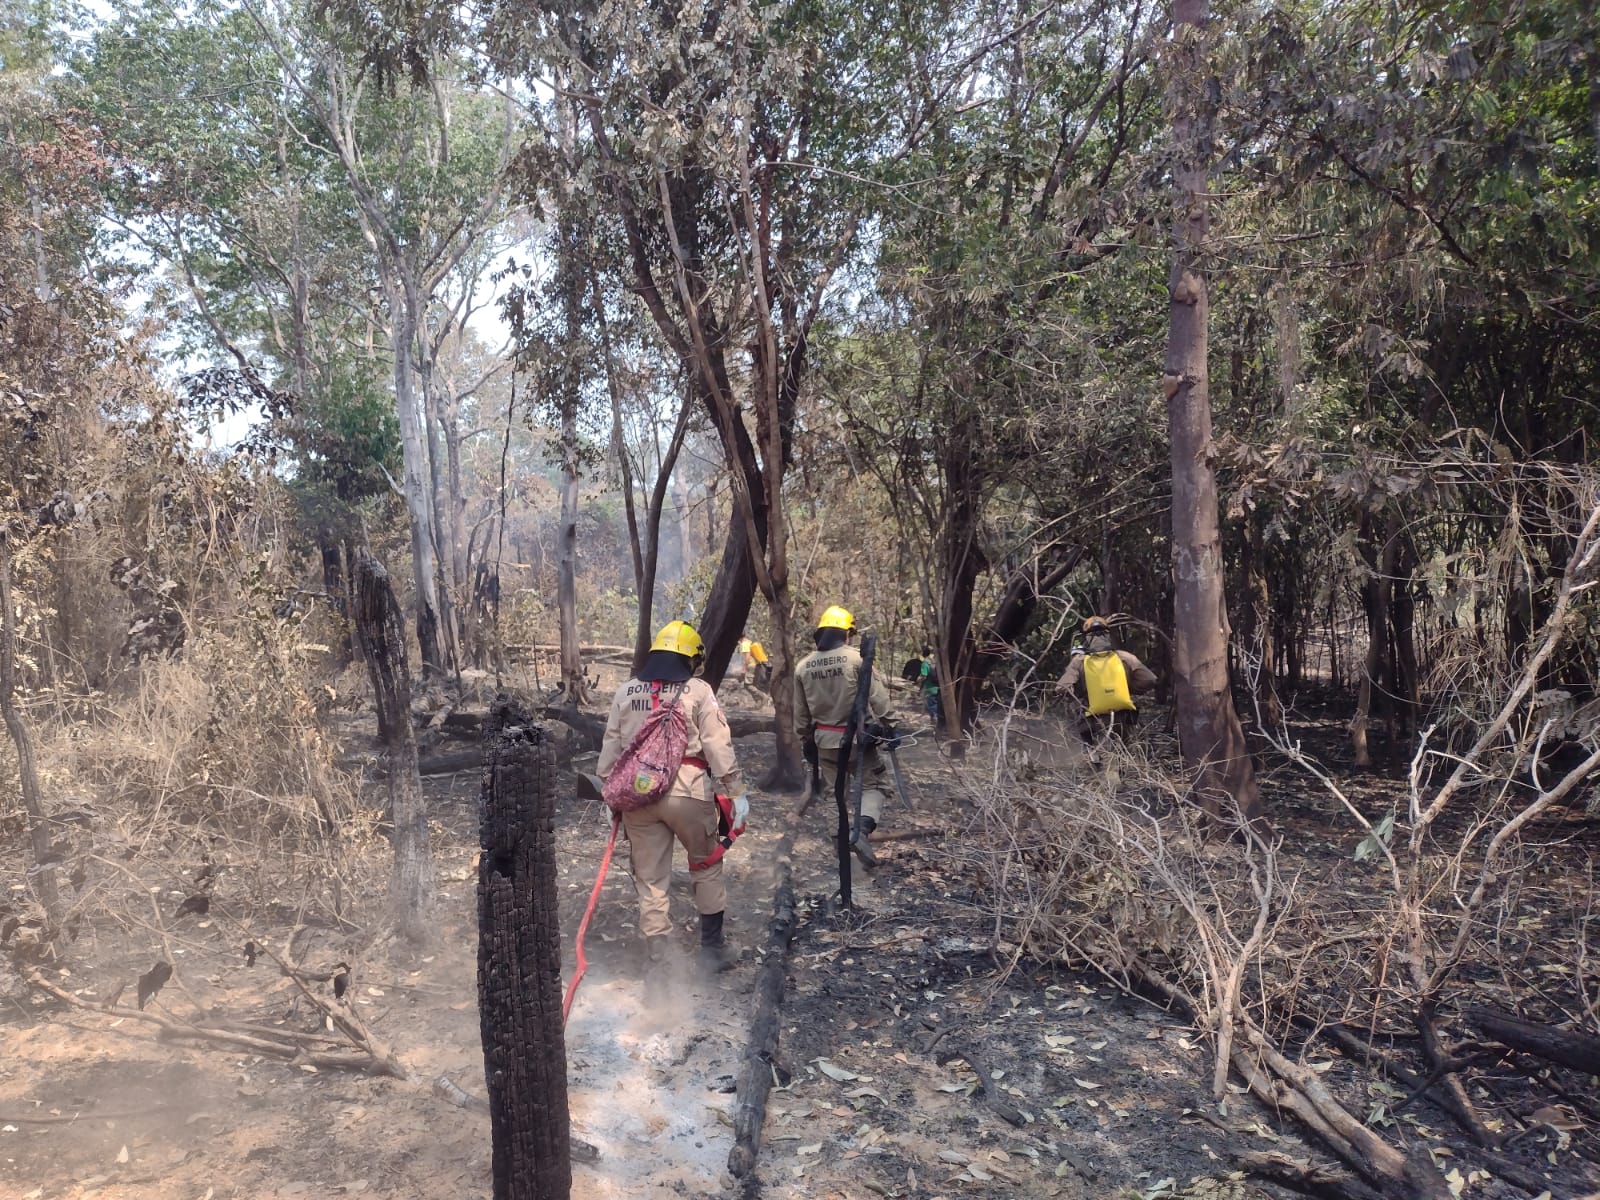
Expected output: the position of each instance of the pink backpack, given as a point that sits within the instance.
(648, 766)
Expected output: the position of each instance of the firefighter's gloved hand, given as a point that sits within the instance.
(808, 750)
(741, 808)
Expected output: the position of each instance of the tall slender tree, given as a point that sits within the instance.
(1208, 727)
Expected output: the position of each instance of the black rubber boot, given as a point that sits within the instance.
(863, 847)
(714, 952)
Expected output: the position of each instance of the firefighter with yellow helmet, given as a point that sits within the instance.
(1102, 679)
(824, 691)
(689, 813)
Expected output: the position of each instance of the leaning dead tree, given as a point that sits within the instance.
(519, 961)
(380, 630)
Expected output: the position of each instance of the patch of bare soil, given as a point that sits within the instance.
(91, 1106)
(96, 1106)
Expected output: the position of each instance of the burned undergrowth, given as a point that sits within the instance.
(1359, 999)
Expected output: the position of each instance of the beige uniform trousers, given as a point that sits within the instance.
(651, 833)
(874, 784)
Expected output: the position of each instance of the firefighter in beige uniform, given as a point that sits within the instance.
(1104, 680)
(824, 691)
(687, 813)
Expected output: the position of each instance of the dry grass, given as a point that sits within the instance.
(210, 768)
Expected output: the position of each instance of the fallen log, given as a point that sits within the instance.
(449, 1090)
(906, 835)
(464, 722)
(449, 764)
(1302, 1175)
(755, 1074)
(1444, 1070)
(555, 648)
(1358, 1050)
(588, 728)
(1564, 1047)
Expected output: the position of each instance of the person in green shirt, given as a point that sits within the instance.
(929, 677)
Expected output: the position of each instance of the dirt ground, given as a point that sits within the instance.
(1097, 1094)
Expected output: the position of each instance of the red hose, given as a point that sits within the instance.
(583, 925)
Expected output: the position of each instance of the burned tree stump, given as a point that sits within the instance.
(519, 962)
(380, 630)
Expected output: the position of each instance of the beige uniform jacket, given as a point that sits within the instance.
(1141, 678)
(709, 738)
(824, 690)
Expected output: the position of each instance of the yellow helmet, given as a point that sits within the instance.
(1096, 625)
(679, 637)
(835, 617)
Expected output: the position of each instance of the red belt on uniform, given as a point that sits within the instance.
(830, 728)
(696, 762)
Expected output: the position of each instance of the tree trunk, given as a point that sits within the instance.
(459, 541)
(381, 632)
(572, 682)
(682, 510)
(448, 587)
(45, 884)
(570, 357)
(1403, 618)
(417, 486)
(1335, 670)
(728, 606)
(961, 561)
(651, 556)
(650, 561)
(1261, 618)
(1375, 603)
(711, 513)
(1291, 624)
(1592, 62)
(1110, 558)
(644, 564)
(1014, 613)
(41, 263)
(337, 587)
(1209, 730)
(788, 772)
(519, 963)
